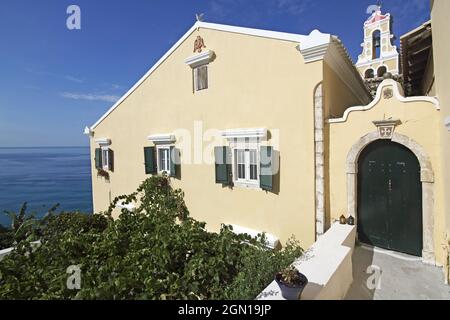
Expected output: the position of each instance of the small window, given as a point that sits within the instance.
(201, 78)
(369, 74)
(246, 166)
(376, 43)
(164, 160)
(381, 71)
(105, 158)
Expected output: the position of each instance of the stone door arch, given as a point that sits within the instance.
(426, 177)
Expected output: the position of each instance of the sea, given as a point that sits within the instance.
(43, 177)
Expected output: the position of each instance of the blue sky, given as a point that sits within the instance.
(55, 81)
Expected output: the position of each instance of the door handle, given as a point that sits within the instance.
(390, 185)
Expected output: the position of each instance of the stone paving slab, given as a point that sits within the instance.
(401, 277)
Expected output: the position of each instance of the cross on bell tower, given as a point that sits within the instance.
(379, 54)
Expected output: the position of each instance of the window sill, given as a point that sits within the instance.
(247, 185)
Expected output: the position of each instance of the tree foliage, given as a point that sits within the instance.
(156, 252)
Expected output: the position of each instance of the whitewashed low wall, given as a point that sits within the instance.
(327, 265)
(5, 252)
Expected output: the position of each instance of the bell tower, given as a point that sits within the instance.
(379, 55)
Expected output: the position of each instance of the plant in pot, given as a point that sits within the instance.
(103, 173)
(291, 283)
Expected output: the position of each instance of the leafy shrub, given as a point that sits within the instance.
(6, 237)
(156, 252)
(23, 226)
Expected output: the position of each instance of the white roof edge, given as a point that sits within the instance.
(398, 94)
(260, 133)
(309, 39)
(149, 72)
(254, 32)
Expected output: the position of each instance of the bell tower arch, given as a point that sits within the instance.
(378, 50)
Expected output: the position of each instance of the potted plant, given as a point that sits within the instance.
(291, 283)
(103, 173)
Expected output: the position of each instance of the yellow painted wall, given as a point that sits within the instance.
(391, 64)
(337, 95)
(267, 84)
(441, 53)
(419, 120)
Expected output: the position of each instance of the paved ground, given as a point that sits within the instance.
(401, 277)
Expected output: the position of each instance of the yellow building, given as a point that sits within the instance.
(279, 133)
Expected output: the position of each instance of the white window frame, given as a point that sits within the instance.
(195, 77)
(105, 158)
(240, 144)
(199, 60)
(158, 159)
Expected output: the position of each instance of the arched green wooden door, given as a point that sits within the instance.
(390, 198)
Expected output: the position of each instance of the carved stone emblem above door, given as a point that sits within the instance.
(386, 128)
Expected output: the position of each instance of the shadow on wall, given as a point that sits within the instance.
(276, 178)
(364, 277)
(178, 164)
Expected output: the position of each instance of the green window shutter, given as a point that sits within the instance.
(223, 168)
(150, 160)
(174, 161)
(98, 158)
(266, 168)
(111, 160)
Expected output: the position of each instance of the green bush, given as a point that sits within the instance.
(6, 237)
(156, 252)
(23, 227)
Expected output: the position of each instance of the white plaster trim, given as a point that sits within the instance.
(103, 142)
(315, 46)
(257, 133)
(162, 138)
(129, 206)
(367, 61)
(200, 59)
(271, 240)
(398, 94)
(447, 123)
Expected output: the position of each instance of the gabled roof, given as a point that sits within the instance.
(313, 48)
